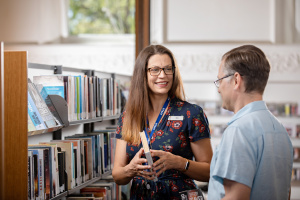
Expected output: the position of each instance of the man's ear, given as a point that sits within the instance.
(238, 81)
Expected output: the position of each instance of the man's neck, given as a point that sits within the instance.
(245, 99)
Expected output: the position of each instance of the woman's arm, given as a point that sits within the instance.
(198, 169)
(123, 172)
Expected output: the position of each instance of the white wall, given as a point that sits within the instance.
(199, 32)
(31, 21)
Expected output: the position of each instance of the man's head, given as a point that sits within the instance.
(251, 63)
(243, 73)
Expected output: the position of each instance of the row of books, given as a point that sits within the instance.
(293, 129)
(102, 190)
(61, 165)
(87, 97)
(278, 109)
(297, 154)
(296, 175)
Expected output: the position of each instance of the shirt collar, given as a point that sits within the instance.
(251, 107)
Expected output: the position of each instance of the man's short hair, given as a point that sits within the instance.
(250, 62)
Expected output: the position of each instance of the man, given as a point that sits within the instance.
(255, 156)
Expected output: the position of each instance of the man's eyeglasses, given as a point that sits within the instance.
(155, 71)
(217, 82)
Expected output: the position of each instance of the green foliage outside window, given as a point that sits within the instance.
(101, 17)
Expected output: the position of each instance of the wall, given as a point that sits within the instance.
(200, 32)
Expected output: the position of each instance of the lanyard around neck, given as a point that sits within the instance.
(157, 120)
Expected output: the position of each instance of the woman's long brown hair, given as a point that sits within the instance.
(139, 103)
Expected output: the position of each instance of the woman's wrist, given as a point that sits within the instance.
(186, 165)
(128, 172)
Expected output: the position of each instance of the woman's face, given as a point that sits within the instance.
(160, 84)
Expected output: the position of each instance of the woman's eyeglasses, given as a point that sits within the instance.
(155, 71)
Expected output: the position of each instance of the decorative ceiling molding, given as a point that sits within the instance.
(205, 66)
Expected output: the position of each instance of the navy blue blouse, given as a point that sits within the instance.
(173, 136)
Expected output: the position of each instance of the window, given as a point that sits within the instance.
(102, 19)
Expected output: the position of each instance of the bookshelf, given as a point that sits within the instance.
(14, 136)
(14, 141)
(85, 125)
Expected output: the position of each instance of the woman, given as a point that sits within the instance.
(178, 131)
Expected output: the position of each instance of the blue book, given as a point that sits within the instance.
(53, 84)
(34, 114)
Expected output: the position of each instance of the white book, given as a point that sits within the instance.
(147, 151)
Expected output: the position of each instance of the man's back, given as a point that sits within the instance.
(256, 151)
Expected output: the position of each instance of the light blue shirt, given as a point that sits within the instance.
(256, 151)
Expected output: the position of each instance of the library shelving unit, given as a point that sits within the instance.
(88, 124)
(13, 139)
(14, 127)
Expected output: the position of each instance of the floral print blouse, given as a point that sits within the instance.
(173, 136)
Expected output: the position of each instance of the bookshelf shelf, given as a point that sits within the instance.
(64, 194)
(296, 142)
(83, 185)
(98, 119)
(296, 165)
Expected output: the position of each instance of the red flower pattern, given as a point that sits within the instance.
(160, 133)
(201, 128)
(181, 136)
(174, 187)
(168, 148)
(174, 136)
(118, 130)
(196, 122)
(183, 144)
(177, 124)
(179, 104)
(168, 123)
(188, 113)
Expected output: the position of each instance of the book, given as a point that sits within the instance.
(34, 114)
(53, 84)
(92, 153)
(147, 151)
(30, 176)
(42, 107)
(80, 159)
(104, 192)
(192, 194)
(47, 168)
(38, 173)
(67, 147)
(88, 154)
(63, 183)
(50, 105)
(31, 126)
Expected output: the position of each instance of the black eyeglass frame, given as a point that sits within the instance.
(161, 69)
(216, 82)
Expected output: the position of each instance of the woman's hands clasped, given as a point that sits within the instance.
(136, 167)
(166, 161)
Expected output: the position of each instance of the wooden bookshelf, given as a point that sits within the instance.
(14, 127)
(13, 140)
